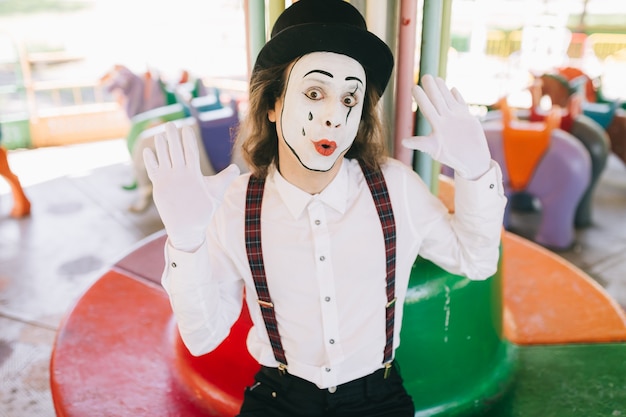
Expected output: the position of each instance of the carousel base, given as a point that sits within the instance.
(118, 352)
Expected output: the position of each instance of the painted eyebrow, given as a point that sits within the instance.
(326, 73)
(354, 78)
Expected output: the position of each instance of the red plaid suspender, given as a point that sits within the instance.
(254, 197)
(378, 188)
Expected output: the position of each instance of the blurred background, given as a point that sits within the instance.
(54, 53)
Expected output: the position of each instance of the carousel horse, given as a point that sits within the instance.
(185, 88)
(609, 114)
(545, 163)
(567, 83)
(212, 123)
(21, 204)
(574, 121)
(149, 102)
(137, 93)
(617, 133)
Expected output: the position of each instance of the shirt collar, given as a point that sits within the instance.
(335, 195)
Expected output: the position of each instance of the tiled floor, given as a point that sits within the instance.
(80, 224)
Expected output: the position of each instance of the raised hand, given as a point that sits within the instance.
(457, 138)
(185, 199)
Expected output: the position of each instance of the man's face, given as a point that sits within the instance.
(321, 109)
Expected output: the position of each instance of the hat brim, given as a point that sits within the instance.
(363, 46)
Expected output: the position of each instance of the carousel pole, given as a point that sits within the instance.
(382, 20)
(276, 7)
(429, 64)
(405, 78)
(255, 29)
(444, 46)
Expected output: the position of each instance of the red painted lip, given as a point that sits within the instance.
(325, 147)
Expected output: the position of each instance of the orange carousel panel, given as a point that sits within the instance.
(548, 300)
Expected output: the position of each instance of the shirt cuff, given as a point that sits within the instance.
(182, 268)
(479, 193)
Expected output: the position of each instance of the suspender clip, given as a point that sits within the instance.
(282, 369)
(266, 304)
(387, 369)
(390, 303)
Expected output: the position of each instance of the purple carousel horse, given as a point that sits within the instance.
(150, 103)
(140, 93)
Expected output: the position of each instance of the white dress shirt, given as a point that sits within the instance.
(325, 265)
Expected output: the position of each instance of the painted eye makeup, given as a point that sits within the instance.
(314, 94)
(350, 100)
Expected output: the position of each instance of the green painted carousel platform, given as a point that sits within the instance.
(576, 380)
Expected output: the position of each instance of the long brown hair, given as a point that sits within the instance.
(258, 137)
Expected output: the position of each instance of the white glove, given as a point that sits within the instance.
(457, 139)
(185, 199)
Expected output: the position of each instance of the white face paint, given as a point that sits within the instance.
(322, 108)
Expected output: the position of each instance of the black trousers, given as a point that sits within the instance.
(276, 395)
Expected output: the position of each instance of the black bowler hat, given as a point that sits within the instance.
(327, 26)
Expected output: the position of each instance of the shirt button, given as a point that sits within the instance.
(317, 222)
(327, 299)
(174, 265)
(327, 369)
(332, 390)
(331, 341)
(322, 258)
(491, 186)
